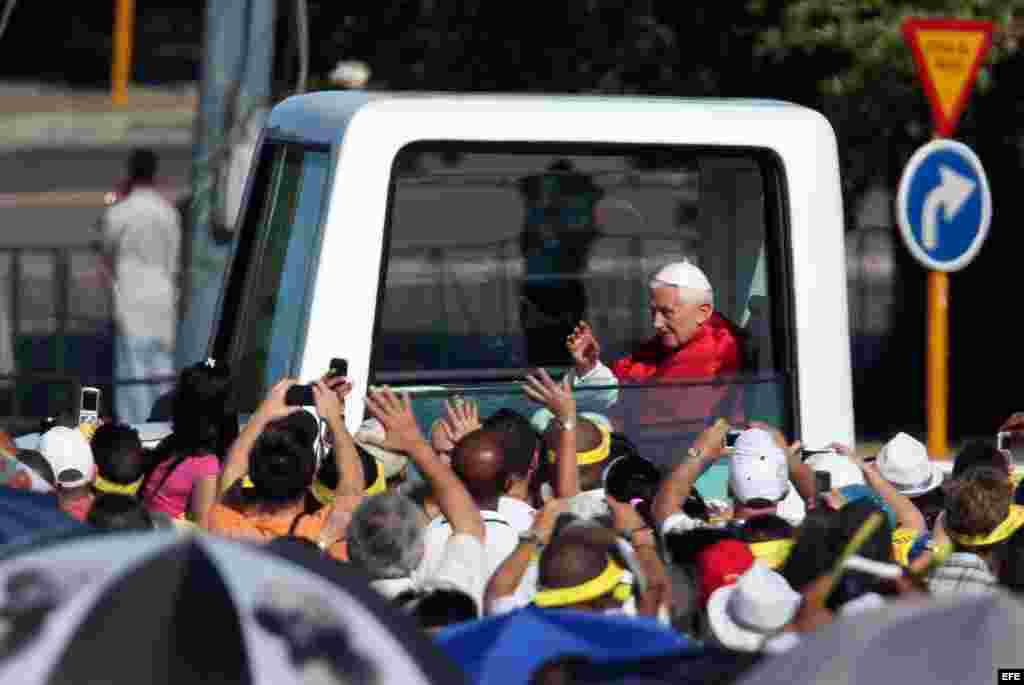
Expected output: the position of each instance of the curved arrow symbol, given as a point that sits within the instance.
(949, 196)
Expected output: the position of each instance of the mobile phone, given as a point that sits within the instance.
(823, 481)
(300, 396)
(1003, 441)
(338, 368)
(89, 407)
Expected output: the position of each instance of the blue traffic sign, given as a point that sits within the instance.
(944, 204)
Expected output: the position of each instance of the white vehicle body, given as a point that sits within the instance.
(363, 134)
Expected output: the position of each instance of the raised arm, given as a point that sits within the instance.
(403, 435)
(677, 487)
(237, 463)
(558, 398)
(588, 371)
(329, 397)
(509, 574)
(629, 524)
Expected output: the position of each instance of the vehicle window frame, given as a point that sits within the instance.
(777, 250)
(251, 246)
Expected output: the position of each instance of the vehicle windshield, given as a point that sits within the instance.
(496, 251)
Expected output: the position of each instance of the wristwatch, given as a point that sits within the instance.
(529, 537)
(566, 425)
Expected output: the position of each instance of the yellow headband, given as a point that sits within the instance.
(324, 495)
(594, 456)
(609, 580)
(104, 485)
(1013, 521)
(772, 552)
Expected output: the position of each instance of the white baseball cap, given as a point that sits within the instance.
(70, 456)
(683, 274)
(758, 469)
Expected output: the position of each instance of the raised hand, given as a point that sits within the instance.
(462, 419)
(329, 402)
(584, 348)
(273, 405)
(557, 397)
(395, 414)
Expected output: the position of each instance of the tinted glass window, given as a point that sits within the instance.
(267, 298)
(495, 251)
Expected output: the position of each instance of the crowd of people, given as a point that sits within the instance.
(482, 516)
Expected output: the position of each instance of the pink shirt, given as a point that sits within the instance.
(172, 499)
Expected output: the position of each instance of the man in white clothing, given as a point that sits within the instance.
(140, 238)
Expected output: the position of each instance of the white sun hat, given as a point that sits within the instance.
(743, 616)
(904, 462)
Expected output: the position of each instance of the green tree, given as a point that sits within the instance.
(864, 71)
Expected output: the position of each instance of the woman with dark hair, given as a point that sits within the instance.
(182, 478)
(275, 452)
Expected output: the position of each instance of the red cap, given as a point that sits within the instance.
(721, 564)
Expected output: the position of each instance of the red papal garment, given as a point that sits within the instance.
(714, 350)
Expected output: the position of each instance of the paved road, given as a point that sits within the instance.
(57, 195)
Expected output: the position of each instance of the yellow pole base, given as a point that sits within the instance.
(938, 364)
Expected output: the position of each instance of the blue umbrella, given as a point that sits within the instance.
(24, 515)
(510, 647)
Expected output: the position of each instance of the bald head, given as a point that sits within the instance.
(479, 461)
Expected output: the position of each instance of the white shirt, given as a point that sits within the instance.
(500, 540)
(518, 513)
(597, 400)
(460, 565)
(143, 233)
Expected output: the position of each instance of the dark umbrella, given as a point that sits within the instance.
(161, 608)
(25, 514)
(946, 640)
(511, 647)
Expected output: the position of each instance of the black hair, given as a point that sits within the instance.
(437, 607)
(631, 476)
(519, 441)
(203, 420)
(682, 547)
(142, 164)
(281, 466)
(811, 555)
(328, 471)
(35, 460)
(878, 547)
(118, 512)
(766, 527)
(117, 450)
(978, 453)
